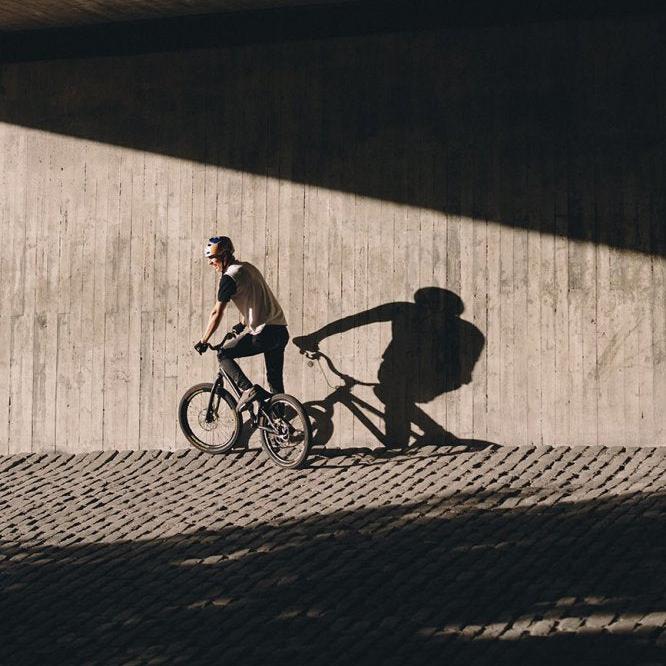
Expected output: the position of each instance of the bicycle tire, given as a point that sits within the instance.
(233, 420)
(275, 446)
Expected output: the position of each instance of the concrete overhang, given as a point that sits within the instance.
(53, 29)
(39, 14)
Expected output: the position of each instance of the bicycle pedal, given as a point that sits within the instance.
(247, 397)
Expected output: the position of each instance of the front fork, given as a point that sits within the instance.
(214, 399)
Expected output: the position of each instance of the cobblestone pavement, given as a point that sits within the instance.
(441, 555)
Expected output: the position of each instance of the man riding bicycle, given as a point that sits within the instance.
(262, 329)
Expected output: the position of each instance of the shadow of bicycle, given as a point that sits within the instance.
(432, 351)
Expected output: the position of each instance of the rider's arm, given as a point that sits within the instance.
(226, 290)
(214, 320)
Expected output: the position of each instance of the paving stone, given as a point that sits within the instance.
(432, 555)
(655, 619)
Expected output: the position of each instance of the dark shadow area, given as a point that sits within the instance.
(394, 584)
(556, 127)
(136, 33)
(432, 351)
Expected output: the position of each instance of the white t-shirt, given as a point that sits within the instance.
(253, 297)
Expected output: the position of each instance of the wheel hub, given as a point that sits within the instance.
(207, 425)
(284, 433)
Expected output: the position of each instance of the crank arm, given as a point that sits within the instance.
(272, 430)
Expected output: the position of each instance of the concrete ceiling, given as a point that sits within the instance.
(36, 14)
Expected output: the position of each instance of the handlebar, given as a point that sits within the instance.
(230, 335)
(226, 338)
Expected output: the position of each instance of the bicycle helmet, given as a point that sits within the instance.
(218, 246)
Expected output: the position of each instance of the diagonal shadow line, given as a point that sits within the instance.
(498, 124)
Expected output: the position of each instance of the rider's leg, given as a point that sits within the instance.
(274, 359)
(270, 339)
(239, 347)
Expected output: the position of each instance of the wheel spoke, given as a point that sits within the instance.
(287, 441)
(210, 434)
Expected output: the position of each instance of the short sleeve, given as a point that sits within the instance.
(226, 289)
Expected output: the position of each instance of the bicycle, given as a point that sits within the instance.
(208, 418)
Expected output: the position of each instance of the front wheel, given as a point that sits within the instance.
(214, 431)
(285, 430)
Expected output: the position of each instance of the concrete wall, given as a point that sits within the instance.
(476, 214)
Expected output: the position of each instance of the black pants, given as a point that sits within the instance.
(270, 342)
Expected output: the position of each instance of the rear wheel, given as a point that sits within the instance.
(214, 432)
(285, 430)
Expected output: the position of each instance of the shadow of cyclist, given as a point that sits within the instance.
(432, 351)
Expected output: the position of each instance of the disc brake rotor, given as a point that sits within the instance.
(207, 425)
(283, 434)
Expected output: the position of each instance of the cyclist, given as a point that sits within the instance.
(262, 329)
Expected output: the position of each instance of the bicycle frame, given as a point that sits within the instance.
(254, 413)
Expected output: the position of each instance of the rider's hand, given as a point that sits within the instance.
(201, 347)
